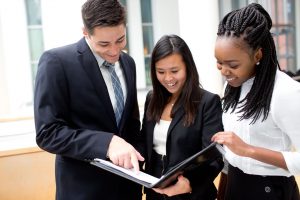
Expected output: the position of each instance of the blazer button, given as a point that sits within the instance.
(267, 189)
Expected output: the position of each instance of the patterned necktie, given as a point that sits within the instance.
(117, 90)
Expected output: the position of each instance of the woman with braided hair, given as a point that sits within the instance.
(261, 110)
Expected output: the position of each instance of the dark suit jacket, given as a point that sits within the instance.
(183, 142)
(74, 119)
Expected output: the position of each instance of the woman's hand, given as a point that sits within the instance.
(233, 142)
(180, 187)
(239, 147)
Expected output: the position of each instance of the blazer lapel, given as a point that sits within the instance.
(91, 67)
(178, 116)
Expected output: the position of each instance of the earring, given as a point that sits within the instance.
(258, 63)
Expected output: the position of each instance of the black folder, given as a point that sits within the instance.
(204, 156)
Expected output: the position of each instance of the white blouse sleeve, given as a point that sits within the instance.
(286, 109)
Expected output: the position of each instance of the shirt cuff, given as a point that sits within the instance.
(292, 160)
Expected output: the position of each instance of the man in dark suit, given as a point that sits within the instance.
(75, 104)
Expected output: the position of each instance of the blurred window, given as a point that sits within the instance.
(35, 33)
(282, 13)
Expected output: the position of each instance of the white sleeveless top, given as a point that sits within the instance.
(160, 136)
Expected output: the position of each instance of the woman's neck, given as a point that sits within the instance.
(172, 99)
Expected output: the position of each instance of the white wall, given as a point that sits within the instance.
(16, 80)
(62, 23)
(135, 39)
(198, 22)
(165, 18)
(3, 83)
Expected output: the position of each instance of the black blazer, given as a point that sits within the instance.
(182, 142)
(74, 119)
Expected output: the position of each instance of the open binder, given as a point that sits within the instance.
(204, 156)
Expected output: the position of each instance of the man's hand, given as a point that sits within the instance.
(123, 154)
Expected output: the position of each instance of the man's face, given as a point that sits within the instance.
(108, 42)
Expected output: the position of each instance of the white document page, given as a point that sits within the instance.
(139, 175)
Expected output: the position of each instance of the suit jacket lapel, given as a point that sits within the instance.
(178, 116)
(91, 67)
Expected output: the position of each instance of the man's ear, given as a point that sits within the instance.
(258, 55)
(85, 32)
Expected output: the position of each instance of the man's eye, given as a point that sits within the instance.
(103, 45)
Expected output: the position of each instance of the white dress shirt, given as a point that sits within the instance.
(279, 132)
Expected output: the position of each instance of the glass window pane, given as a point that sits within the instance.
(34, 66)
(36, 43)
(123, 2)
(126, 49)
(147, 70)
(146, 11)
(290, 9)
(285, 48)
(148, 39)
(236, 4)
(282, 13)
(33, 8)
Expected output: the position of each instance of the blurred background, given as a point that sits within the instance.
(29, 27)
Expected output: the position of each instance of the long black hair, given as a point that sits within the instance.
(191, 92)
(252, 24)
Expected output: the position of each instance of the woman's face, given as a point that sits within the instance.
(236, 63)
(171, 73)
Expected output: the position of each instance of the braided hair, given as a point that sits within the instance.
(252, 24)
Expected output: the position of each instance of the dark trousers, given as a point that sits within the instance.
(241, 186)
